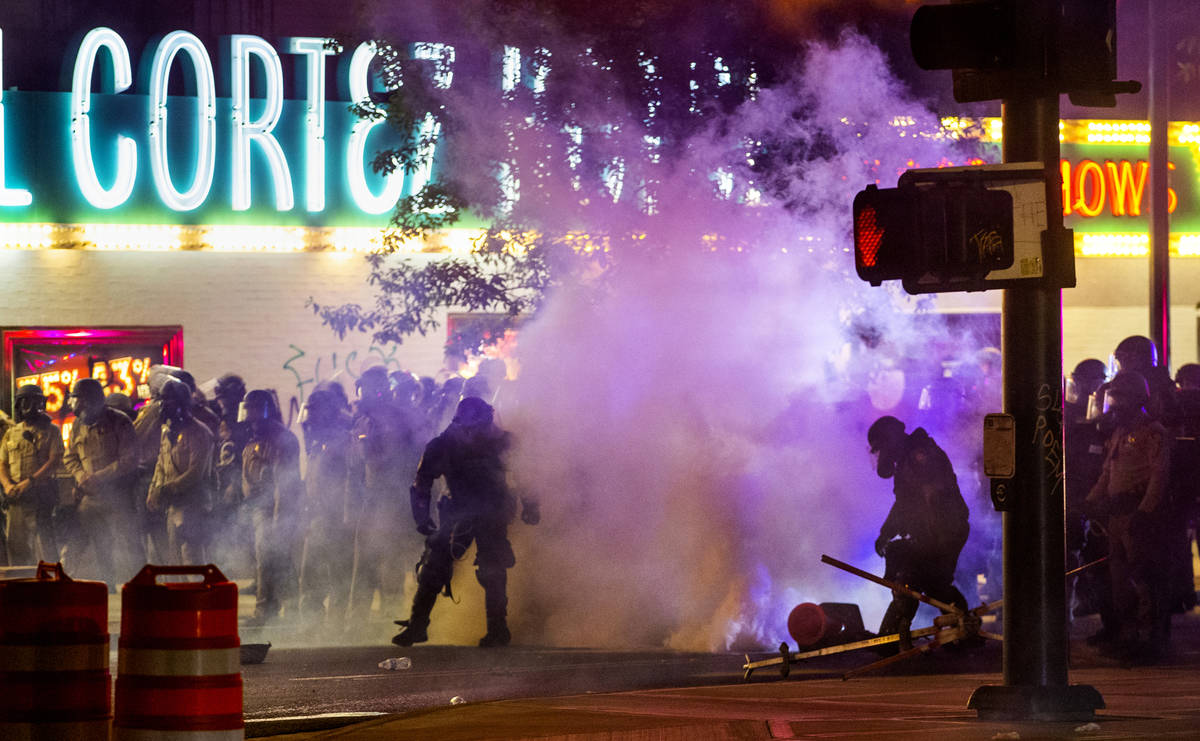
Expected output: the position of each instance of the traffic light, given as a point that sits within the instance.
(974, 35)
(1020, 48)
(938, 236)
(991, 45)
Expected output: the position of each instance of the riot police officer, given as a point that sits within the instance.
(383, 454)
(147, 427)
(329, 539)
(101, 457)
(927, 526)
(1139, 353)
(271, 492)
(30, 454)
(233, 538)
(1131, 500)
(478, 508)
(181, 486)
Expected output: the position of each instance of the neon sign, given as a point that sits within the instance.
(118, 375)
(1088, 186)
(241, 159)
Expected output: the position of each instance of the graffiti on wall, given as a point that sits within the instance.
(310, 369)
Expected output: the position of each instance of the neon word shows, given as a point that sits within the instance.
(1089, 186)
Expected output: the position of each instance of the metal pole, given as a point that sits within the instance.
(1160, 220)
(1035, 616)
(1034, 589)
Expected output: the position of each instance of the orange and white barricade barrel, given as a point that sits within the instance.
(178, 669)
(54, 678)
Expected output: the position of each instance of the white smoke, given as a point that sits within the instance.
(697, 440)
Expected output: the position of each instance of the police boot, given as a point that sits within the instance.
(896, 619)
(418, 621)
(495, 602)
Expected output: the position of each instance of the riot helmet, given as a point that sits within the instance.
(476, 387)
(884, 435)
(1128, 391)
(176, 400)
(405, 386)
(373, 385)
(473, 412)
(320, 410)
(258, 406)
(229, 392)
(336, 391)
(1084, 380)
(1136, 353)
(159, 375)
(121, 402)
(188, 379)
(1188, 377)
(87, 400)
(882, 431)
(29, 402)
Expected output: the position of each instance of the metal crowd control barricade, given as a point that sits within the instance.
(178, 671)
(54, 677)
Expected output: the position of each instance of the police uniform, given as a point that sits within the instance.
(328, 557)
(271, 491)
(151, 527)
(477, 510)
(382, 459)
(931, 518)
(31, 450)
(101, 457)
(1130, 498)
(182, 484)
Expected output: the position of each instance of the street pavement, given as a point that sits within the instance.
(916, 699)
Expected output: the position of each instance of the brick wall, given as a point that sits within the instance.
(240, 312)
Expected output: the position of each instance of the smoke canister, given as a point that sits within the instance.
(809, 625)
(54, 677)
(178, 660)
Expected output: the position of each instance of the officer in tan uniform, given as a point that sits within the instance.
(101, 457)
(182, 481)
(30, 454)
(328, 556)
(272, 490)
(147, 427)
(1130, 501)
(383, 456)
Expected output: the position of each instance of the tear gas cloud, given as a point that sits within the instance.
(697, 439)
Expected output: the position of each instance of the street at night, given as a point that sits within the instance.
(628, 371)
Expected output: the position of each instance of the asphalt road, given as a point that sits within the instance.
(307, 682)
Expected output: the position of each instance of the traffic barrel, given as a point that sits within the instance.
(809, 624)
(54, 678)
(178, 671)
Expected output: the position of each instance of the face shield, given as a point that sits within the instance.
(29, 406)
(253, 411)
(1097, 405)
(1078, 391)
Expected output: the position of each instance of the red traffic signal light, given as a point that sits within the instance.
(947, 232)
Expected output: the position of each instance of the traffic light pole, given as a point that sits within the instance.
(1035, 619)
